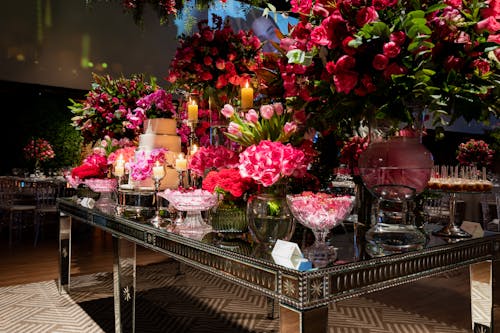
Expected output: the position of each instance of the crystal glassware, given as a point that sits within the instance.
(193, 202)
(320, 212)
(106, 188)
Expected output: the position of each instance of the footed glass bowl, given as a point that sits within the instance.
(106, 187)
(320, 212)
(193, 202)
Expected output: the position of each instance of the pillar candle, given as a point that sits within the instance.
(246, 97)
(119, 167)
(158, 171)
(193, 111)
(181, 163)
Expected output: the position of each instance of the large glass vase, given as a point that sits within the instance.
(395, 170)
(269, 217)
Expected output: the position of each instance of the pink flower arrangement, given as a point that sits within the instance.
(157, 104)
(273, 122)
(215, 61)
(212, 157)
(142, 167)
(38, 150)
(475, 152)
(127, 154)
(267, 162)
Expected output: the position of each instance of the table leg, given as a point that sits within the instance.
(64, 253)
(124, 274)
(306, 321)
(485, 297)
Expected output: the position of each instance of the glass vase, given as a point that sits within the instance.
(395, 170)
(269, 217)
(229, 219)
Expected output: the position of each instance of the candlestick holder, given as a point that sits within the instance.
(181, 172)
(157, 220)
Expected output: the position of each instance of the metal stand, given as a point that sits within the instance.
(451, 230)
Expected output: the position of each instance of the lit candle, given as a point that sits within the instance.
(181, 163)
(193, 111)
(120, 166)
(246, 97)
(158, 171)
(194, 149)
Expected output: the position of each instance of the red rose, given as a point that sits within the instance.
(398, 37)
(380, 62)
(345, 81)
(394, 69)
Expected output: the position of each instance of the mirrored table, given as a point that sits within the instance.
(303, 296)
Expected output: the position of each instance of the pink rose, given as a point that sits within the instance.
(252, 116)
(319, 36)
(481, 65)
(391, 49)
(267, 111)
(366, 15)
(227, 111)
(380, 62)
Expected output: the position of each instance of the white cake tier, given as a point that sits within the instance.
(151, 141)
(160, 126)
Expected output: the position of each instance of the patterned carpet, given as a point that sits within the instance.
(176, 298)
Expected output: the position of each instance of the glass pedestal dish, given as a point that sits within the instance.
(320, 212)
(193, 203)
(106, 187)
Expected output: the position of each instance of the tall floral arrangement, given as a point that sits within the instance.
(475, 153)
(363, 59)
(38, 150)
(215, 61)
(108, 108)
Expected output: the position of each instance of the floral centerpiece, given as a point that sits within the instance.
(109, 108)
(215, 62)
(475, 153)
(229, 215)
(38, 150)
(361, 60)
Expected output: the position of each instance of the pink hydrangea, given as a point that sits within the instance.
(268, 162)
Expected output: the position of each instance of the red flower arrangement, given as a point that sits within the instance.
(227, 182)
(38, 150)
(355, 59)
(475, 153)
(94, 166)
(215, 61)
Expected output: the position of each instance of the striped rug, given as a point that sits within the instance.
(176, 298)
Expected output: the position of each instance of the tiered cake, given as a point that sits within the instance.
(161, 133)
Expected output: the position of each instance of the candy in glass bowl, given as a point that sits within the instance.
(193, 202)
(320, 212)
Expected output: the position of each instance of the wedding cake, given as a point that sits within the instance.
(161, 133)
